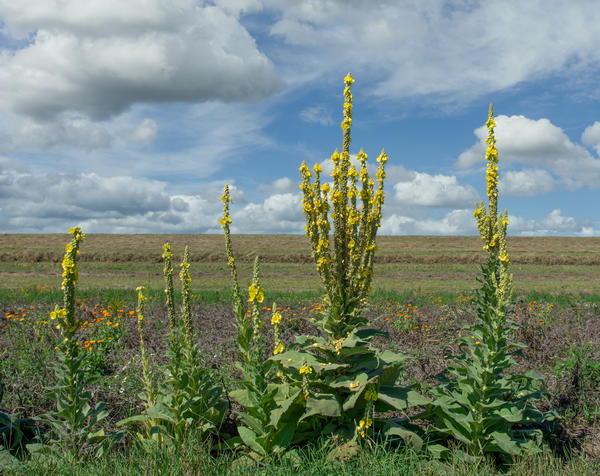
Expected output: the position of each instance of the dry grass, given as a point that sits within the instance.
(434, 264)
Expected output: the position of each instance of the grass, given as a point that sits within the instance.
(430, 264)
(193, 458)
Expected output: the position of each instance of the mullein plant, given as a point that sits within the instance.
(187, 395)
(257, 392)
(480, 404)
(74, 423)
(334, 385)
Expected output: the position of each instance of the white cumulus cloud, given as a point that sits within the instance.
(144, 132)
(100, 57)
(444, 51)
(526, 183)
(591, 136)
(455, 222)
(434, 191)
(539, 144)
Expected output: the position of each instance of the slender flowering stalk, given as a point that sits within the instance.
(276, 322)
(186, 282)
(145, 364)
(256, 297)
(169, 290)
(238, 300)
(66, 320)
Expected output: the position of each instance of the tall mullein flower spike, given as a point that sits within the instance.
(186, 283)
(276, 322)
(486, 219)
(345, 263)
(169, 290)
(238, 300)
(145, 364)
(493, 225)
(256, 297)
(67, 323)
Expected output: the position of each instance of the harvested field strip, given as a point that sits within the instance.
(294, 249)
(545, 259)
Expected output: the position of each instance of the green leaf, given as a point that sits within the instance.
(254, 423)
(511, 414)
(282, 409)
(160, 412)
(284, 437)
(132, 419)
(295, 359)
(249, 438)
(391, 357)
(398, 398)
(365, 334)
(408, 436)
(242, 396)
(504, 441)
(8, 461)
(324, 405)
(356, 381)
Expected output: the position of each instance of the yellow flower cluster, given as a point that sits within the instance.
(58, 314)
(167, 256)
(276, 319)
(169, 290)
(275, 322)
(141, 299)
(371, 394)
(184, 273)
(70, 274)
(305, 369)
(363, 426)
(256, 294)
(337, 345)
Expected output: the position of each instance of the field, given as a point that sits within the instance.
(421, 296)
(430, 264)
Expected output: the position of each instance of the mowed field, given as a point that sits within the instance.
(553, 265)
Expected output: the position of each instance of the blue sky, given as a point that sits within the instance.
(129, 117)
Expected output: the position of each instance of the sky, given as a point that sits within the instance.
(129, 117)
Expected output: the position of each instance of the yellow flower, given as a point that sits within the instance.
(317, 168)
(366, 423)
(256, 293)
(363, 425)
(371, 394)
(278, 349)
(224, 221)
(305, 369)
(348, 79)
(60, 313)
(276, 319)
